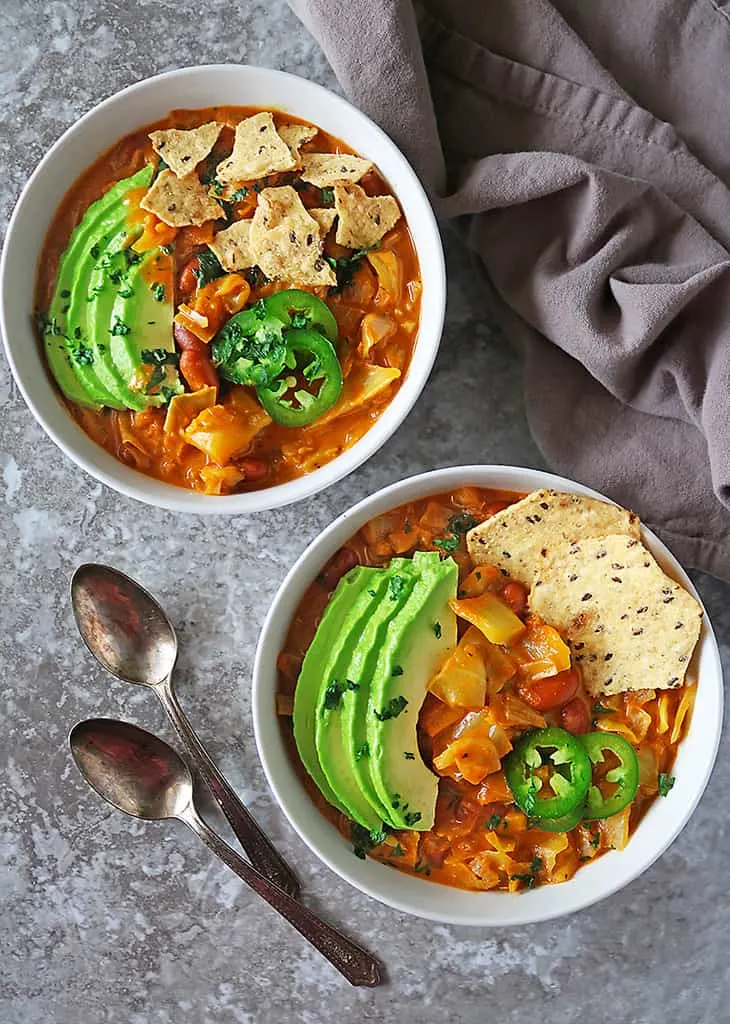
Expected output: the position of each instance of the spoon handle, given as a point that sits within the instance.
(351, 960)
(261, 852)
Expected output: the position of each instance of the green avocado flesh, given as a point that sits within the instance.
(362, 684)
(104, 314)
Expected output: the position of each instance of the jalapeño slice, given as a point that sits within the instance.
(250, 348)
(289, 400)
(548, 772)
(624, 776)
(564, 823)
(299, 309)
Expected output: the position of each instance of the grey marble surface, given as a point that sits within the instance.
(108, 920)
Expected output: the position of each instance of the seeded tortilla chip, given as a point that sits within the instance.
(326, 169)
(363, 220)
(523, 538)
(630, 626)
(180, 201)
(232, 246)
(324, 217)
(182, 150)
(258, 150)
(286, 241)
(295, 135)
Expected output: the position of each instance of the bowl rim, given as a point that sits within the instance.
(161, 494)
(297, 805)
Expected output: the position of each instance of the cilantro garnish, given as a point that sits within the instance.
(437, 630)
(208, 268)
(362, 751)
(397, 851)
(158, 291)
(160, 357)
(392, 709)
(333, 693)
(396, 585)
(665, 783)
(409, 756)
(448, 543)
(364, 841)
(493, 821)
(412, 818)
(119, 327)
(462, 522)
(397, 670)
(327, 196)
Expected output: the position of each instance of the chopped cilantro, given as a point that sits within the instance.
(599, 709)
(397, 851)
(65, 294)
(259, 310)
(407, 528)
(536, 865)
(345, 267)
(364, 841)
(362, 751)
(125, 292)
(412, 818)
(333, 693)
(595, 839)
(119, 327)
(448, 543)
(397, 671)
(372, 592)
(300, 320)
(529, 880)
(665, 783)
(422, 868)
(208, 268)
(167, 249)
(158, 291)
(493, 821)
(239, 194)
(168, 392)
(437, 630)
(257, 186)
(396, 584)
(462, 523)
(95, 252)
(392, 709)
(327, 196)
(80, 354)
(159, 357)
(409, 756)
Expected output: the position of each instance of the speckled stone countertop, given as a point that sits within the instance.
(109, 921)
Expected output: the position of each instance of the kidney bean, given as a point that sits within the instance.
(255, 469)
(195, 365)
(187, 281)
(338, 565)
(574, 717)
(544, 694)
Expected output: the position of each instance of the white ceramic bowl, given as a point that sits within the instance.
(128, 110)
(594, 881)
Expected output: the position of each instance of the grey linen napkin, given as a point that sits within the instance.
(583, 150)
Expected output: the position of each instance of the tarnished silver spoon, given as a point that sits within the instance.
(129, 634)
(140, 774)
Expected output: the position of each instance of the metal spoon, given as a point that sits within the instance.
(129, 634)
(138, 773)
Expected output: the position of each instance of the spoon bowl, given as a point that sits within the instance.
(138, 773)
(122, 625)
(132, 770)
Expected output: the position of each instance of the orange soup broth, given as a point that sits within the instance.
(138, 438)
(480, 839)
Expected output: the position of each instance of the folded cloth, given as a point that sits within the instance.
(580, 148)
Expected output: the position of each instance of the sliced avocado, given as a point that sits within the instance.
(341, 689)
(419, 637)
(140, 320)
(353, 722)
(314, 669)
(69, 356)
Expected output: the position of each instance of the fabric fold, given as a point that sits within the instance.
(597, 206)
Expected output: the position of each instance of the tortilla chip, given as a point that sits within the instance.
(520, 540)
(326, 169)
(286, 242)
(182, 150)
(363, 220)
(180, 201)
(232, 246)
(324, 217)
(258, 150)
(183, 409)
(629, 625)
(295, 135)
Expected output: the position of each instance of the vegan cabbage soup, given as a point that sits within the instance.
(228, 299)
(487, 689)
